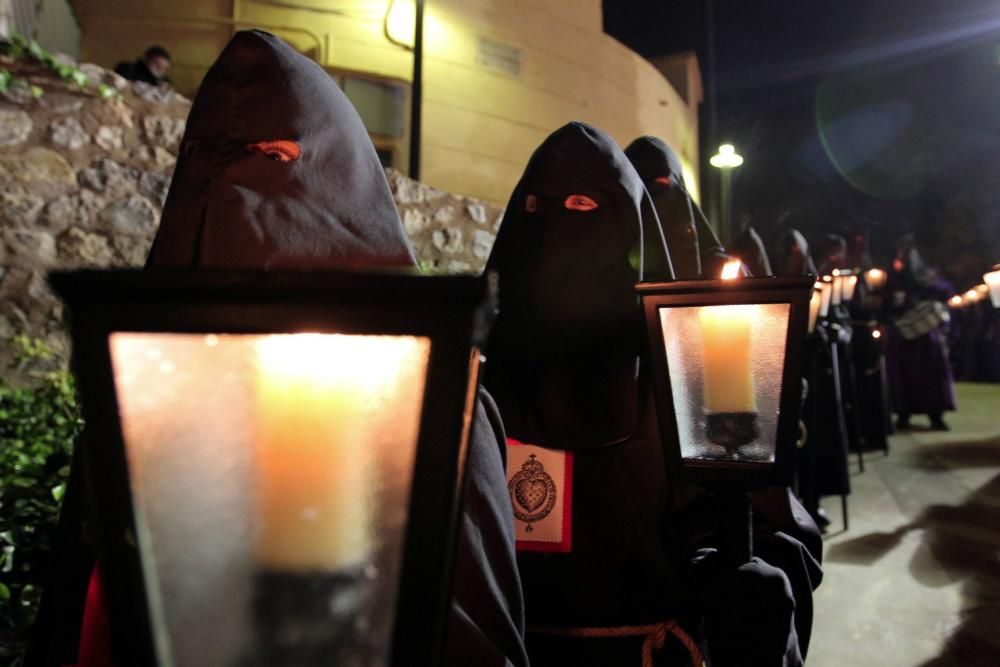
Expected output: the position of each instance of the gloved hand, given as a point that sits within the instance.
(748, 612)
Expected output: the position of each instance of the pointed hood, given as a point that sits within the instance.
(578, 233)
(750, 250)
(694, 247)
(791, 255)
(276, 171)
(831, 253)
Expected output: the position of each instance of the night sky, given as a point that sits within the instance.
(876, 113)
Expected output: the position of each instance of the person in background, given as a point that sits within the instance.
(750, 250)
(920, 377)
(151, 68)
(694, 248)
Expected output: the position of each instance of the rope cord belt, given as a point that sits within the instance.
(655, 637)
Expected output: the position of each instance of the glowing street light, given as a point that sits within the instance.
(726, 158)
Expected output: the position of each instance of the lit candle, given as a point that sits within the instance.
(838, 287)
(971, 296)
(850, 283)
(313, 486)
(815, 301)
(725, 332)
(875, 279)
(826, 285)
(993, 281)
(956, 301)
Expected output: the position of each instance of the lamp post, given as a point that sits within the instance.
(726, 160)
(725, 357)
(276, 459)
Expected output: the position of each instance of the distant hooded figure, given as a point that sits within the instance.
(602, 567)
(920, 377)
(694, 248)
(791, 255)
(831, 253)
(276, 171)
(750, 249)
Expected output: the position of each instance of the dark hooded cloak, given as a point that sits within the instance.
(694, 248)
(791, 255)
(277, 172)
(750, 249)
(566, 364)
(831, 253)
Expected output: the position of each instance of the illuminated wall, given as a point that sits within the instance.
(499, 75)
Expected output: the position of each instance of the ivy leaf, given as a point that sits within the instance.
(37, 92)
(4, 592)
(79, 78)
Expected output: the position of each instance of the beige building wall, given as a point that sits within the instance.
(499, 75)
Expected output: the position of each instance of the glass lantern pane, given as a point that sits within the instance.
(725, 364)
(271, 477)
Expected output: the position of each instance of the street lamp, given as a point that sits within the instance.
(726, 160)
(725, 358)
(276, 459)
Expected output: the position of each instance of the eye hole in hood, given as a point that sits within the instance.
(580, 203)
(280, 150)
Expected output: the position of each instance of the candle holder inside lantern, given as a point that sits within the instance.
(725, 357)
(286, 450)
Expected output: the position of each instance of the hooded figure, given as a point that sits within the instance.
(694, 248)
(750, 250)
(600, 561)
(831, 253)
(791, 255)
(277, 172)
(920, 378)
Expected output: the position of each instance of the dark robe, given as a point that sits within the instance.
(566, 365)
(821, 463)
(920, 378)
(138, 70)
(320, 200)
(694, 248)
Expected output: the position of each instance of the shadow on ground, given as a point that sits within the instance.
(961, 543)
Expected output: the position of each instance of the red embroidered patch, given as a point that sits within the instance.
(280, 150)
(580, 203)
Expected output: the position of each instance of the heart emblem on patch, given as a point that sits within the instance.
(531, 493)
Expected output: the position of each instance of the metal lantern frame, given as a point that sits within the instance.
(794, 291)
(454, 312)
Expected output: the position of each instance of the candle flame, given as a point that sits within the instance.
(982, 289)
(972, 295)
(955, 300)
(876, 334)
(731, 270)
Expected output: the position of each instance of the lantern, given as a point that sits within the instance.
(725, 357)
(276, 458)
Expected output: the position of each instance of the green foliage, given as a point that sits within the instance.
(38, 426)
(20, 48)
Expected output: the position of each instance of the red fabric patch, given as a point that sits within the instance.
(664, 181)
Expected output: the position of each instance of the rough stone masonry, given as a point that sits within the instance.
(83, 181)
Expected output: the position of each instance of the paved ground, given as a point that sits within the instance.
(916, 579)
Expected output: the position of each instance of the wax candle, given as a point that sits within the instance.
(314, 486)
(850, 283)
(726, 339)
(993, 281)
(838, 288)
(826, 285)
(815, 301)
(956, 301)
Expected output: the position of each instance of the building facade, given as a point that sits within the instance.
(499, 75)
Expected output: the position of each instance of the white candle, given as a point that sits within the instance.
(726, 339)
(314, 490)
(826, 285)
(993, 281)
(815, 301)
(838, 287)
(850, 283)
(875, 279)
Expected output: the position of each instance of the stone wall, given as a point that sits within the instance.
(83, 180)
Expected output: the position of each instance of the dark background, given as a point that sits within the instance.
(876, 113)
